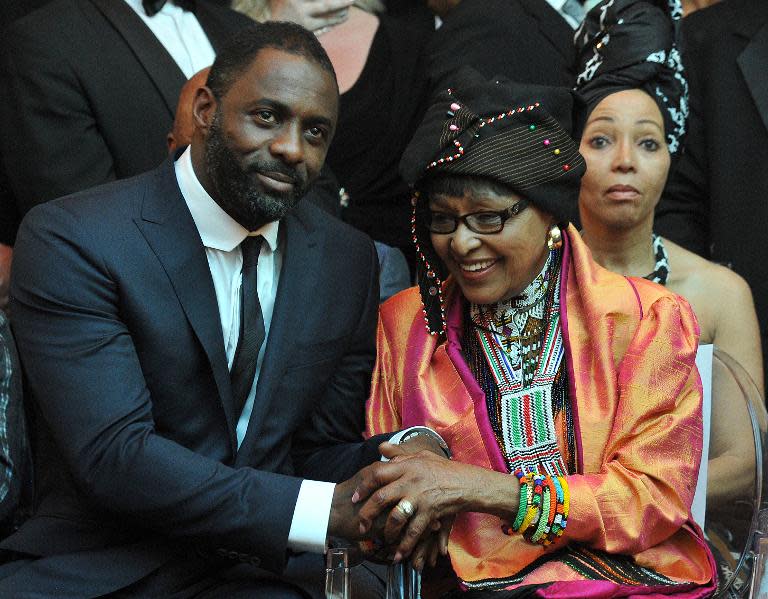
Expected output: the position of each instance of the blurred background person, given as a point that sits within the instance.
(718, 194)
(529, 41)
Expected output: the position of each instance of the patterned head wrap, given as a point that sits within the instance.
(511, 133)
(634, 44)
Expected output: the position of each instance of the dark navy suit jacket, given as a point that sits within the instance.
(133, 418)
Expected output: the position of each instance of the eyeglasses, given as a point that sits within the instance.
(484, 223)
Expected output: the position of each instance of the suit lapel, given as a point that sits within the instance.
(160, 67)
(218, 31)
(753, 62)
(170, 231)
(302, 249)
(552, 26)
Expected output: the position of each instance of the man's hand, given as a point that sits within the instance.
(344, 520)
(312, 14)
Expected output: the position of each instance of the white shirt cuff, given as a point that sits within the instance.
(309, 527)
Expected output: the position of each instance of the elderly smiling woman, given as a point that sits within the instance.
(567, 394)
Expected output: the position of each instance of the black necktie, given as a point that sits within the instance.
(251, 325)
(152, 7)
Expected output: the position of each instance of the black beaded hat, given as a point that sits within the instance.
(634, 44)
(512, 133)
(516, 134)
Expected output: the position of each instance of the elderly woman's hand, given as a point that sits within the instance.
(313, 14)
(422, 489)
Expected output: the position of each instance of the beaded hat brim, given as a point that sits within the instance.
(516, 134)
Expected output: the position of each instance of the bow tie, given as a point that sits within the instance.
(152, 7)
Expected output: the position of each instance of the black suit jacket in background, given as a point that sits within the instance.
(716, 201)
(133, 418)
(525, 40)
(88, 94)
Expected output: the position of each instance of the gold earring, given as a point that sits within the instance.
(554, 238)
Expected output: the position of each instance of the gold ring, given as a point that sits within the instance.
(405, 507)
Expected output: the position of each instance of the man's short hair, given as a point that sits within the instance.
(238, 54)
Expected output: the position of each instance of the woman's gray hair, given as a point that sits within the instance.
(259, 10)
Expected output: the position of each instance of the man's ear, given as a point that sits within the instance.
(204, 108)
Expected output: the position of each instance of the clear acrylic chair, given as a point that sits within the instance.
(337, 567)
(734, 523)
(403, 581)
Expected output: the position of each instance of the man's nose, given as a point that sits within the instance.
(288, 144)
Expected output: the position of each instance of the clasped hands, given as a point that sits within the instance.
(405, 506)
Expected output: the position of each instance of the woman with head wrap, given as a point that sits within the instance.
(635, 107)
(567, 394)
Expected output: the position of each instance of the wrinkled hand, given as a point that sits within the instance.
(312, 14)
(436, 487)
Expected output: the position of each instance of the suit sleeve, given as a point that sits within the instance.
(644, 493)
(330, 448)
(51, 144)
(87, 385)
(683, 212)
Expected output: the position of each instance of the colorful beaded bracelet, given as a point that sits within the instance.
(544, 506)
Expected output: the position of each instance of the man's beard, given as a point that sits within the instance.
(238, 191)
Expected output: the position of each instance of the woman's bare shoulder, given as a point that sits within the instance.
(691, 275)
(722, 302)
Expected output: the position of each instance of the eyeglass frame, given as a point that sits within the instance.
(504, 215)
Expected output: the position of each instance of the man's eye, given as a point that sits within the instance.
(265, 115)
(316, 132)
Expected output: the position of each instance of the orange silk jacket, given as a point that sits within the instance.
(636, 396)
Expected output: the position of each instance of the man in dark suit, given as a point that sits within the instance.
(87, 86)
(157, 466)
(716, 201)
(524, 40)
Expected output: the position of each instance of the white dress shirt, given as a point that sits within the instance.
(221, 237)
(586, 6)
(558, 6)
(180, 33)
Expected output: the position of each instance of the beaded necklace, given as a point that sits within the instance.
(526, 406)
(660, 272)
(515, 326)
